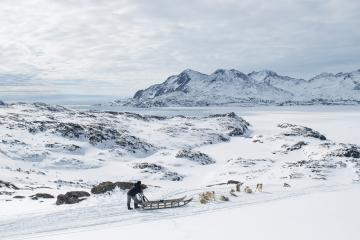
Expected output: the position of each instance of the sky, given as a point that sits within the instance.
(116, 47)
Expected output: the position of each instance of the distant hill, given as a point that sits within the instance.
(223, 87)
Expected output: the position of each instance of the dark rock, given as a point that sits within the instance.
(294, 147)
(172, 176)
(96, 134)
(41, 195)
(195, 156)
(110, 186)
(19, 197)
(103, 187)
(154, 168)
(8, 185)
(71, 197)
(146, 165)
(297, 130)
(127, 185)
(286, 185)
(347, 150)
(236, 132)
(6, 193)
(2, 103)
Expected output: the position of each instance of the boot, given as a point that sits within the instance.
(129, 208)
(136, 205)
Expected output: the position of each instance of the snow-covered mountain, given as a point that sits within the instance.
(192, 88)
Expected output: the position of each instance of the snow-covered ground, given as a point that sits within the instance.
(318, 162)
(322, 215)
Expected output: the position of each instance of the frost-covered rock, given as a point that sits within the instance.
(347, 150)
(296, 130)
(74, 139)
(155, 168)
(294, 147)
(195, 156)
(4, 184)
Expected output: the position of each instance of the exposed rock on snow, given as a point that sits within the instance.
(57, 137)
(110, 186)
(103, 187)
(7, 193)
(245, 163)
(154, 169)
(41, 195)
(71, 197)
(2, 103)
(19, 197)
(297, 130)
(58, 147)
(318, 169)
(4, 184)
(294, 147)
(195, 156)
(347, 150)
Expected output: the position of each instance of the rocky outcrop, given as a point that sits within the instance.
(72, 197)
(19, 197)
(195, 156)
(6, 193)
(294, 147)
(155, 168)
(110, 186)
(103, 187)
(347, 150)
(41, 195)
(96, 134)
(296, 130)
(4, 184)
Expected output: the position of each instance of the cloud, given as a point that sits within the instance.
(119, 46)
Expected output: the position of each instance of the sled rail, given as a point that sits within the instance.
(162, 204)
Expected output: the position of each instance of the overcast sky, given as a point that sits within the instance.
(118, 46)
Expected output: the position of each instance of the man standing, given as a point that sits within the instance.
(132, 195)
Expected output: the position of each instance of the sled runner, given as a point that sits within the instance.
(162, 204)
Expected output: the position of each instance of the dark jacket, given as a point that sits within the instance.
(135, 189)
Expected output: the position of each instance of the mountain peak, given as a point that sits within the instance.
(262, 75)
(322, 75)
(192, 88)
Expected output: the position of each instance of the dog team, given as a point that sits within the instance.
(205, 197)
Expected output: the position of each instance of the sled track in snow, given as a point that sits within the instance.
(81, 218)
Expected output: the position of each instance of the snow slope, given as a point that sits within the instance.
(191, 88)
(324, 215)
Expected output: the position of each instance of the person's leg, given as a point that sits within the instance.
(136, 201)
(129, 201)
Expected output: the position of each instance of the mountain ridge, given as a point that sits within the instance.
(231, 86)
